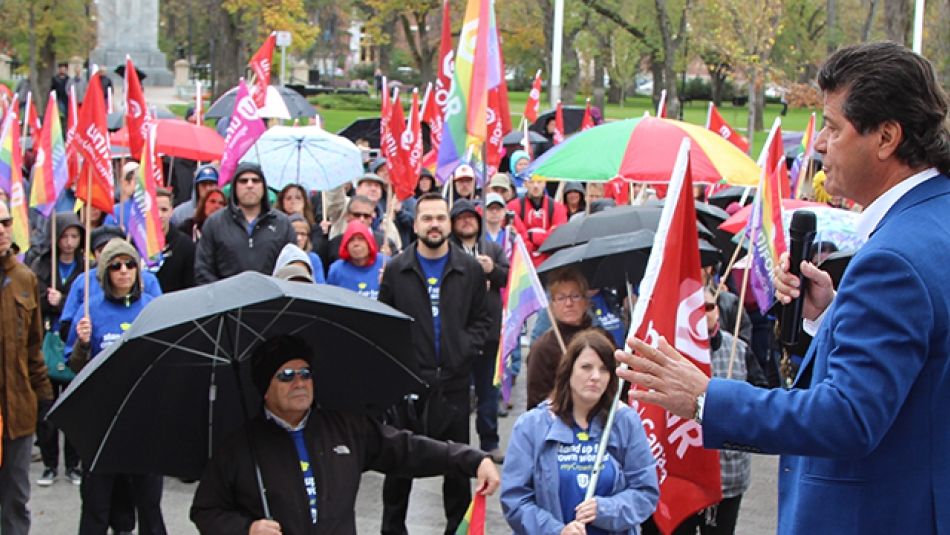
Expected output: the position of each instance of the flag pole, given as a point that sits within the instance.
(732, 261)
(742, 292)
(52, 240)
(87, 209)
(554, 327)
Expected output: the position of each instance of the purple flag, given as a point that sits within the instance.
(245, 127)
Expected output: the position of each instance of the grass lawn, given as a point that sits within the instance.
(796, 119)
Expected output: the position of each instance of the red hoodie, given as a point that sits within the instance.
(357, 227)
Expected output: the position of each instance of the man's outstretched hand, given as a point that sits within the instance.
(668, 379)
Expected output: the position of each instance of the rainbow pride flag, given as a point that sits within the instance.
(523, 297)
(50, 172)
(476, 71)
(145, 226)
(473, 523)
(765, 228)
(11, 177)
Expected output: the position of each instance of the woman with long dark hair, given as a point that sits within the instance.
(551, 453)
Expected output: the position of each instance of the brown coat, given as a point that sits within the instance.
(23, 378)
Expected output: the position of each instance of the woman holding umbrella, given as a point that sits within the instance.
(550, 455)
(110, 315)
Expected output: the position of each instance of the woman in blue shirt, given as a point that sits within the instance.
(552, 449)
(111, 314)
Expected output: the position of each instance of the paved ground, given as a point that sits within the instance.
(56, 508)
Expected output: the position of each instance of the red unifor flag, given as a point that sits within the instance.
(72, 152)
(260, 65)
(533, 106)
(671, 305)
(432, 115)
(558, 123)
(31, 120)
(411, 151)
(92, 142)
(661, 105)
(588, 120)
(499, 116)
(717, 124)
(772, 160)
(136, 111)
(391, 140)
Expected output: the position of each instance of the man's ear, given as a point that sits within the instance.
(891, 134)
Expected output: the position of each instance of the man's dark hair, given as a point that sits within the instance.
(888, 82)
(431, 196)
(163, 192)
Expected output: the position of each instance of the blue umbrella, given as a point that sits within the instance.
(305, 155)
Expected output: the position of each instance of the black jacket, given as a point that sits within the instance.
(177, 271)
(226, 249)
(464, 314)
(341, 447)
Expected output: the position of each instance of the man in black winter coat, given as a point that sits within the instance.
(467, 234)
(248, 235)
(177, 270)
(444, 290)
(311, 459)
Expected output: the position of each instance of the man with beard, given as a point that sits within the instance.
(444, 290)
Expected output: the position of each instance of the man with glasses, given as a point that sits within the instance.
(310, 459)
(360, 208)
(567, 290)
(247, 235)
(25, 390)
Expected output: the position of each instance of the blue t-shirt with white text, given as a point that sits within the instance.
(575, 462)
(433, 269)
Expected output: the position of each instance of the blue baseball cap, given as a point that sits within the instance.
(206, 173)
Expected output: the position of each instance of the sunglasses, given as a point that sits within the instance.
(7, 222)
(249, 180)
(287, 374)
(129, 264)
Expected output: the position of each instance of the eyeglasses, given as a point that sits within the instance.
(710, 307)
(250, 180)
(7, 222)
(117, 265)
(287, 374)
(573, 298)
(362, 215)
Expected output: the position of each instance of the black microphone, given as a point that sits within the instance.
(802, 234)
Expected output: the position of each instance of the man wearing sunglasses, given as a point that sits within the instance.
(25, 389)
(248, 235)
(310, 459)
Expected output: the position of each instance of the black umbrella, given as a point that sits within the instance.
(711, 216)
(515, 137)
(725, 197)
(142, 405)
(368, 128)
(116, 119)
(616, 220)
(296, 104)
(120, 70)
(612, 261)
(573, 117)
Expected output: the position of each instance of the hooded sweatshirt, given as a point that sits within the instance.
(363, 280)
(110, 314)
(65, 273)
(229, 245)
(187, 209)
(292, 253)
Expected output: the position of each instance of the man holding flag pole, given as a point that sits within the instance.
(863, 429)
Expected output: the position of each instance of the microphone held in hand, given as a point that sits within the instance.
(802, 235)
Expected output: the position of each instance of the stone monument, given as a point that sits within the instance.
(130, 27)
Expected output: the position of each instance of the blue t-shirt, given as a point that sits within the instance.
(608, 318)
(309, 482)
(363, 280)
(433, 270)
(317, 266)
(575, 462)
(109, 320)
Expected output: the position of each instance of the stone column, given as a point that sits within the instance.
(300, 73)
(5, 73)
(181, 73)
(130, 27)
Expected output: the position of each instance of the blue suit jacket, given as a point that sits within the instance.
(865, 432)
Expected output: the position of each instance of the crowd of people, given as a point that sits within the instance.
(442, 257)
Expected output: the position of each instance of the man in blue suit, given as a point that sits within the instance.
(864, 432)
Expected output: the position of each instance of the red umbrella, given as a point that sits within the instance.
(181, 139)
(738, 220)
